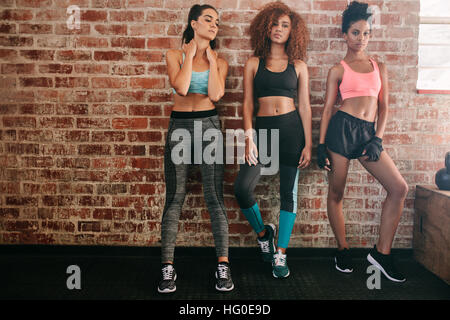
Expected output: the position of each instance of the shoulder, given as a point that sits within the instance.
(337, 69)
(222, 62)
(301, 68)
(252, 63)
(174, 54)
(336, 72)
(300, 65)
(381, 66)
(379, 63)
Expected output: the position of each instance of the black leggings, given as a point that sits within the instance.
(291, 143)
(249, 177)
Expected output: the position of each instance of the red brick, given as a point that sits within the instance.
(16, 15)
(129, 123)
(93, 15)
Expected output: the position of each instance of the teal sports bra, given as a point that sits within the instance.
(199, 82)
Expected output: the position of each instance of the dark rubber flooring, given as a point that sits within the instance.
(130, 273)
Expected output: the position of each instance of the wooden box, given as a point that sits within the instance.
(431, 236)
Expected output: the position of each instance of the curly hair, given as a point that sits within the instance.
(355, 12)
(262, 24)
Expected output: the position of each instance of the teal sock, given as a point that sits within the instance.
(253, 216)
(287, 220)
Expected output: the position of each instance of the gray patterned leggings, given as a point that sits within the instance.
(176, 176)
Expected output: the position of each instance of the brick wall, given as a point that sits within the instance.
(83, 118)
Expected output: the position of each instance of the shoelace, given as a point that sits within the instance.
(280, 259)
(167, 272)
(265, 247)
(223, 271)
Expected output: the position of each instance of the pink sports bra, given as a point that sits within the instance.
(357, 84)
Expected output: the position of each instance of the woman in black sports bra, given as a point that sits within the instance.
(273, 77)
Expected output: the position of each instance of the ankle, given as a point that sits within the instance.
(383, 251)
(223, 260)
(343, 248)
(262, 234)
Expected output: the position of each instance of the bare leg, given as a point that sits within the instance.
(385, 171)
(336, 186)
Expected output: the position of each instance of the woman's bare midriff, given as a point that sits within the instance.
(275, 106)
(364, 108)
(192, 102)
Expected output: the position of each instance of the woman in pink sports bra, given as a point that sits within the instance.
(351, 133)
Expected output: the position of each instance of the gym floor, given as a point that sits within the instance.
(132, 273)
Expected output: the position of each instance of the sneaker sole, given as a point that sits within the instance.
(225, 289)
(168, 290)
(376, 264)
(341, 270)
(282, 277)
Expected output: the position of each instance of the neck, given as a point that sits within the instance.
(202, 45)
(277, 51)
(355, 55)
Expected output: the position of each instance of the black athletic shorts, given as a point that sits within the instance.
(348, 135)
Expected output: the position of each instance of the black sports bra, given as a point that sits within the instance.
(267, 83)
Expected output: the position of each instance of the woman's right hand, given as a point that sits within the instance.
(190, 49)
(322, 157)
(251, 152)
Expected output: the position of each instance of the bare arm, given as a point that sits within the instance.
(330, 100)
(251, 152)
(218, 73)
(248, 105)
(303, 102)
(179, 76)
(383, 101)
(304, 108)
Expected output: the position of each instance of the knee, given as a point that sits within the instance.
(335, 194)
(399, 190)
(241, 190)
(243, 194)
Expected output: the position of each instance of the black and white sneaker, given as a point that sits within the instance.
(343, 261)
(167, 283)
(386, 264)
(223, 277)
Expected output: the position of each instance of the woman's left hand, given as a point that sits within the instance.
(211, 55)
(305, 158)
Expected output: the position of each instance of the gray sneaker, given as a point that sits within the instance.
(267, 244)
(223, 277)
(167, 283)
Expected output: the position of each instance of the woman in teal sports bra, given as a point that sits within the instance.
(197, 76)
